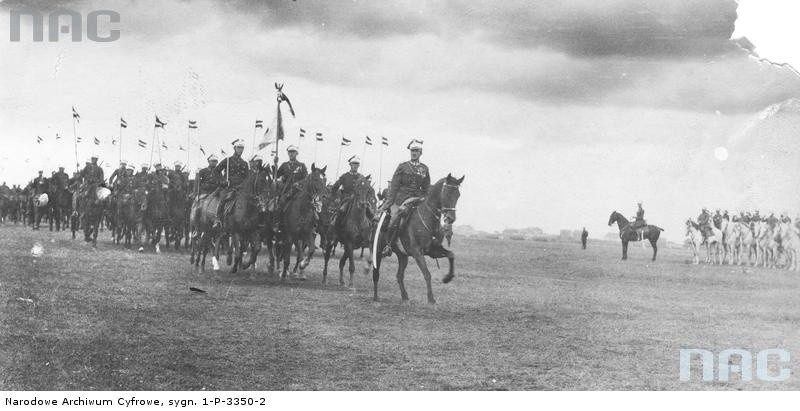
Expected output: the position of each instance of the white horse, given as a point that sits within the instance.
(730, 235)
(712, 242)
(766, 245)
(747, 243)
(790, 239)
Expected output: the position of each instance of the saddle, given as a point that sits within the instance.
(407, 208)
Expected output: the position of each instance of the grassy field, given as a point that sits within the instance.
(519, 315)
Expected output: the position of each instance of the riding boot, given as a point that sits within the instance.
(387, 250)
(218, 218)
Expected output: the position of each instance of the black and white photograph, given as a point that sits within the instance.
(396, 196)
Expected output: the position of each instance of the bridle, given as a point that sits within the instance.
(439, 211)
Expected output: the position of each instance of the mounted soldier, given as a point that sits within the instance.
(347, 184)
(704, 221)
(158, 180)
(410, 183)
(177, 181)
(717, 219)
(289, 173)
(41, 184)
(206, 179)
(113, 180)
(236, 170)
(142, 178)
(639, 223)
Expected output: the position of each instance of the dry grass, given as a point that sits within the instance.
(518, 316)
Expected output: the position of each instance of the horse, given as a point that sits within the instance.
(353, 230)
(790, 240)
(697, 239)
(177, 217)
(95, 203)
(421, 234)
(747, 243)
(628, 234)
(156, 215)
(41, 205)
(299, 219)
(731, 233)
(202, 233)
(244, 221)
(766, 245)
(130, 220)
(327, 232)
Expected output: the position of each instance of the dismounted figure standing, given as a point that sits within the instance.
(410, 181)
(236, 170)
(584, 237)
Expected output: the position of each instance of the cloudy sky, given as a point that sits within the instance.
(557, 112)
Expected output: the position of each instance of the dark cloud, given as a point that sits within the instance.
(649, 28)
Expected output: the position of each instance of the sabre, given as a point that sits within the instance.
(375, 240)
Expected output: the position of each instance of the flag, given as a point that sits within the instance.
(259, 124)
(75, 115)
(79, 138)
(164, 145)
(345, 142)
(222, 150)
(302, 133)
(180, 147)
(319, 136)
(192, 124)
(96, 141)
(384, 141)
(159, 123)
(142, 144)
(39, 140)
(202, 150)
(113, 141)
(58, 137)
(123, 123)
(368, 141)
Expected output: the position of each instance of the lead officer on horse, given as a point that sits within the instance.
(236, 170)
(410, 182)
(289, 173)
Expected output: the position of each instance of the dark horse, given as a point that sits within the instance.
(61, 200)
(421, 234)
(354, 228)
(245, 218)
(156, 215)
(627, 233)
(94, 204)
(299, 219)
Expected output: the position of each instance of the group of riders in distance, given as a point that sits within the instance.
(240, 206)
(744, 238)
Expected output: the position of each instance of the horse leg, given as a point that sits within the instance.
(451, 260)
(423, 266)
(347, 255)
(326, 256)
(215, 257)
(624, 250)
(312, 247)
(655, 247)
(376, 275)
(236, 250)
(402, 263)
(300, 246)
(286, 255)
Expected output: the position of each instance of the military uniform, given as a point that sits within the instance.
(177, 181)
(704, 221)
(40, 185)
(410, 180)
(291, 172)
(92, 175)
(237, 170)
(347, 183)
(116, 175)
(207, 180)
(141, 179)
(61, 180)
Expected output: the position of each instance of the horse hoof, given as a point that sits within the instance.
(158, 249)
(141, 249)
(448, 278)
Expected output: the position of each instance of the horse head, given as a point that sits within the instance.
(614, 217)
(448, 198)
